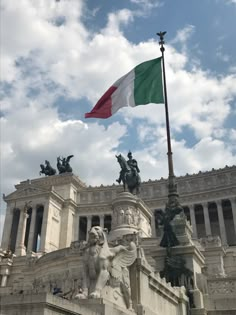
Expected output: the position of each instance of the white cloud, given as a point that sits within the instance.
(221, 55)
(69, 60)
(184, 34)
(147, 5)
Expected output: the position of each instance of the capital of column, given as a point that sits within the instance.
(218, 203)
(233, 202)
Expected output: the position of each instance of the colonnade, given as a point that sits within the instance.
(22, 229)
(211, 218)
(88, 221)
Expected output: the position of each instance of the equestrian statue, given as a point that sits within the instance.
(129, 174)
(47, 169)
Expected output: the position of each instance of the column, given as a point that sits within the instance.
(20, 246)
(32, 230)
(101, 218)
(4, 281)
(206, 219)
(233, 205)
(76, 227)
(193, 220)
(44, 246)
(221, 222)
(7, 229)
(153, 226)
(89, 224)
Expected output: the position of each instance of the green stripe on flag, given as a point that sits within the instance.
(148, 86)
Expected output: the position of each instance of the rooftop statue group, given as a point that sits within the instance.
(63, 166)
(129, 174)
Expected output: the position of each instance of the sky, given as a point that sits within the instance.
(57, 58)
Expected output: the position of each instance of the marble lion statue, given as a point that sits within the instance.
(102, 263)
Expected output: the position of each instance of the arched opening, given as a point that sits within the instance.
(28, 222)
(229, 223)
(214, 219)
(14, 229)
(38, 228)
(187, 213)
(95, 220)
(83, 222)
(107, 222)
(200, 222)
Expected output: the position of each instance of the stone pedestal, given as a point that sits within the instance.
(130, 215)
(214, 255)
(188, 251)
(183, 230)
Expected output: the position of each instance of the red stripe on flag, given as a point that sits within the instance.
(103, 107)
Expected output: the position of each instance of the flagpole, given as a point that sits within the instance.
(172, 187)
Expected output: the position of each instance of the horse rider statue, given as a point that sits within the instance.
(133, 164)
(48, 170)
(129, 173)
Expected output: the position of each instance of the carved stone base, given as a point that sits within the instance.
(130, 215)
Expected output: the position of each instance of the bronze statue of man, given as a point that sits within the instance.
(133, 164)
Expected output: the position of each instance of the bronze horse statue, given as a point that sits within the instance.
(129, 177)
(48, 170)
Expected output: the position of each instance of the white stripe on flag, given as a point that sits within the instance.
(124, 95)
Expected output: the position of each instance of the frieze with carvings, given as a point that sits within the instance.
(210, 241)
(222, 287)
(125, 215)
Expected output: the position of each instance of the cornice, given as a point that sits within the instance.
(48, 181)
(89, 209)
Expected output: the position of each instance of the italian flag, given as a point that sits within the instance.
(142, 85)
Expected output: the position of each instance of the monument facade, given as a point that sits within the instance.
(56, 258)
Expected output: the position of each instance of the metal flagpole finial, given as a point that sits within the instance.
(161, 42)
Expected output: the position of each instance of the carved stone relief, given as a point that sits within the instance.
(222, 287)
(125, 215)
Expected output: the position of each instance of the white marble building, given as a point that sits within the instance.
(48, 214)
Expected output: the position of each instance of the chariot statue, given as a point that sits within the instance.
(129, 174)
(63, 164)
(47, 169)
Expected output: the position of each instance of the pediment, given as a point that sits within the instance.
(26, 192)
